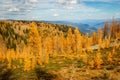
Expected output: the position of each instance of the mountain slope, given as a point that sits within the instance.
(15, 33)
(86, 28)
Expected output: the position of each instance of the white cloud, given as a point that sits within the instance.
(49, 8)
(69, 7)
(67, 2)
(55, 14)
(17, 6)
(84, 8)
(98, 0)
(61, 1)
(79, 8)
(14, 9)
(108, 1)
(76, 5)
(80, 1)
(73, 1)
(52, 9)
(35, 17)
(33, 0)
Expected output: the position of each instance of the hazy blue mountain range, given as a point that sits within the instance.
(86, 26)
(83, 27)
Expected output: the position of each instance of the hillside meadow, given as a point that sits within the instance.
(46, 51)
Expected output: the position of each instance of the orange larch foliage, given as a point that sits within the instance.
(94, 38)
(98, 60)
(99, 39)
(78, 41)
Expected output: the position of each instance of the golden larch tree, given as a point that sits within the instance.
(94, 38)
(70, 41)
(34, 39)
(105, 30)
(99, 39)
(78, 40)
(34, 43)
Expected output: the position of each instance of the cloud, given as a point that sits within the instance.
(65, 2)
(104, 1)
(17, 6)
(55, 14)
(14, 9)
(84, 8)
(73, 1)
(97, 0)
(74, 5)
(33, 1)
(35, 17)
(50, 8)
(69, 7)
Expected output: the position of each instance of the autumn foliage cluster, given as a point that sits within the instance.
(34, 44)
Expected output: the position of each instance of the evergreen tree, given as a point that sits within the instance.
(34, 39)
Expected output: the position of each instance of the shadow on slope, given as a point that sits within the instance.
(43, 75)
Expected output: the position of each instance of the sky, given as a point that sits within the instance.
(59, 9)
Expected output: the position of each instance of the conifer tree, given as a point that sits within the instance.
(98, 60)
(62, 42)
(70, 40)
(94, 38)
(109, 57)
(34, 43)
(105, 30)
(27, 64)
(78, 41)
(99, 39)
(34, 39)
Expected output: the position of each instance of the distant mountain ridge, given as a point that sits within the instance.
(86, 26)
(83, 27)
